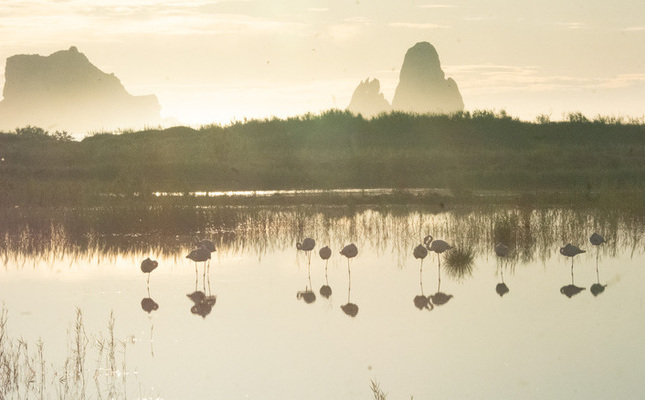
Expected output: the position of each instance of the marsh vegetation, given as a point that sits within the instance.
(464, 152)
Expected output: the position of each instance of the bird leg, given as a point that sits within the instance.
(349, 284)
(421, 277)
(439, 273)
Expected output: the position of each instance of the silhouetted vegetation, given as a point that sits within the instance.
(464, 152)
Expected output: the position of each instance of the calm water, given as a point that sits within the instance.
(266, 337)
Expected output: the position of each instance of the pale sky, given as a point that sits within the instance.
(219, 61)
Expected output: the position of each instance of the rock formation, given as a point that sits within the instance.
(422, 85)
(64, 91)
(368, 99)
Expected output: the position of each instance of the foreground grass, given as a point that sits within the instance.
(91, 369)
(464, 153)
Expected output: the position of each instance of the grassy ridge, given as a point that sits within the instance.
(466, 151)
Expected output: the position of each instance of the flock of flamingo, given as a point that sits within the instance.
(203, 303)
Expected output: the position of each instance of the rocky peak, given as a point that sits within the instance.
(422, 85)
(368, 99)
(65, 91)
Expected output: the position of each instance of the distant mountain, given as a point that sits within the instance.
(368, 99)
(422, 87)
(64, 91)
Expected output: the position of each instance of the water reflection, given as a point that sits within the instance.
(261, 242)
(255, 231)
(501, 251)
(307, 295)
(148, 304)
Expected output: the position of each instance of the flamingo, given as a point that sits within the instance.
(349, 251)
(571, 251)
(501, 250)
(438, 246)
(147, 266)
(199, 255)
(597, 240)
(420, 252)
(325, 253)
(307, 245)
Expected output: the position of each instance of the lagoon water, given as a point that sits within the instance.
(262, 340)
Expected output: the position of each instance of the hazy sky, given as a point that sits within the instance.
(215, 61)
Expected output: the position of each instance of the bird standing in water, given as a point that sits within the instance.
(147, 266)
(307, 245)
(325, 253)
(349, 251)
(571, 251)
(597, 240)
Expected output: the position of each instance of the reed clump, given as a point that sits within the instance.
(27, 374)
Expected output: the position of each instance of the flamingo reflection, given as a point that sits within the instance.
(307, 295)
(147, 303)
(501, 250)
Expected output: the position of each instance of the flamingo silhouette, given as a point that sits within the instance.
(350, 308)
(307, 295)
(597, 240)
(438, 246)
(306, 245)
(147, 266)
(201, 254)
(349, 251)
(325, 290)
(571, 251)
